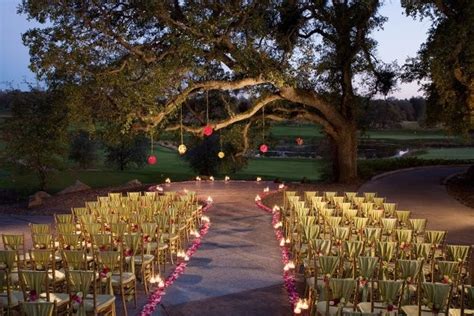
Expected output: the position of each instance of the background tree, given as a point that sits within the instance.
(83, 149)
(35, 134)
(128, 151)
(137, 62)
(446, 61)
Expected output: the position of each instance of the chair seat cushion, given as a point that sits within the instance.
(60, 298)
(126, 278)
(146, 259)
(322, 305)
(15, 297)
(102, 301)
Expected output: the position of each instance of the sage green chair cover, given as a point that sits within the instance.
(326, 212)
(13, 242)
(369, 196)
(321, 246)
(311, 232)
(40, 228)
(366, 208)
(334, 221)
(64, 218)
(38, 308)
(132, 244)
(435, 237)
(403, 216)
(342, 288)
(408, 269)
(375, 215)
(421, 251)
(329, 195)
(404, 235)
(353, 249)
(388, 225)
(448, 269)
(390, 290)
(389, 209)
(42, 241)
(71, 241)
(75, 259)
(358, 200)
(7, 259)
(349, 214)
(378, 202)
(367, 266)
(328, 265)
(341, 233)
(458, 252)
(350, 195)
(418, 225)
(66, 228)
(33, 280)
(436, 295)
(360, 223)
(385, 250)
(92, 228)
(79, 283)
(372, 234)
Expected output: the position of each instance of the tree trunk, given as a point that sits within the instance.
(345, 155)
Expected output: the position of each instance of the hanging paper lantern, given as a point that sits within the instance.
(182, 149)
(263, 148)
(299, 141)
(207, 130)
(221, 154)
(151, 159)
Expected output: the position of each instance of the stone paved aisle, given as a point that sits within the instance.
(238, 269)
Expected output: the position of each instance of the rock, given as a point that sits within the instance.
(134, 183)
(76, 187)
(37, 199)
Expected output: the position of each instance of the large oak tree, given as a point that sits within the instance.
(134, 63)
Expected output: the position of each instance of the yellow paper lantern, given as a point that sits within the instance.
(221, 154)
(182, 149)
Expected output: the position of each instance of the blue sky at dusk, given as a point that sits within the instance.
(401, 38)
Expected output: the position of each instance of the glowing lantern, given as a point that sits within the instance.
(151, 159)
(263, 148)
(182, 149)
(299, 141)
(221, 154)
(207, 130)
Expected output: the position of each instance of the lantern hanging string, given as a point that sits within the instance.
(181, 123)
(207, 106)
(151, 142)
(263, 123)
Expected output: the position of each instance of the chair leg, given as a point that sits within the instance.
(124, 303)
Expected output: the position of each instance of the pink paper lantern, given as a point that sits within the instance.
(207, 130)
(151, 159)
(263, 148)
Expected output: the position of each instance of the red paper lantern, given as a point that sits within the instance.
(207, 130)
(151, 159)
(299, 141)
(263, 148)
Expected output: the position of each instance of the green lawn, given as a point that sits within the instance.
(285, 169)
(448, 153)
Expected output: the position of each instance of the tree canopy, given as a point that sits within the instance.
(134, 64)
(446, 61)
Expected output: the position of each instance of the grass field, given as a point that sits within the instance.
(448, 153)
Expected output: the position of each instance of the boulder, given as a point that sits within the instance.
(37, 199)
(134, 183)
(76, 187)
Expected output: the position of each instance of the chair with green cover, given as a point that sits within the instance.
(351, 251)
(404, 238)
(152, 244)
(365, 273)
(67, 229)
(388, 298)
(387, 252)
(418, 225)
(375, 216)
(63, 219)
(434, 300)
(38, 308)
(40, 228)
(103, 242)
(111, 270)
(133, 196)
(388, 227)
(447, 272)
(378, 202)
(372, 235)
(43, 241)
(369, 196)
(36, 287)
(436, 238)
(389, 209)
(461, 254)
(45, 260)
(75, 259)
(339, 235)
(424, 251)
(409, 272)
(365, 208)
(403, 218)
(328, 196)
(9, 296)
(82, 289)
(137, 260)
(357, 201)
(350, 196)
(16, 242)
(325, 268)
(348, 215)
(359, 224)
(341, 294)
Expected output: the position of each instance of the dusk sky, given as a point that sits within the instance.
(401, 38)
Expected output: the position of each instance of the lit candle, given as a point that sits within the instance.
(198, 178)
(267, 189)
(209, 199)
(259, 179)
(281, 186)
(227, 178)
(275, 208)
(159, 188)
(282, 242)
(258, 198)
(211, 178)
(168, 180)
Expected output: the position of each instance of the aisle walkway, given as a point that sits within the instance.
(421, 191)
(237, 270)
